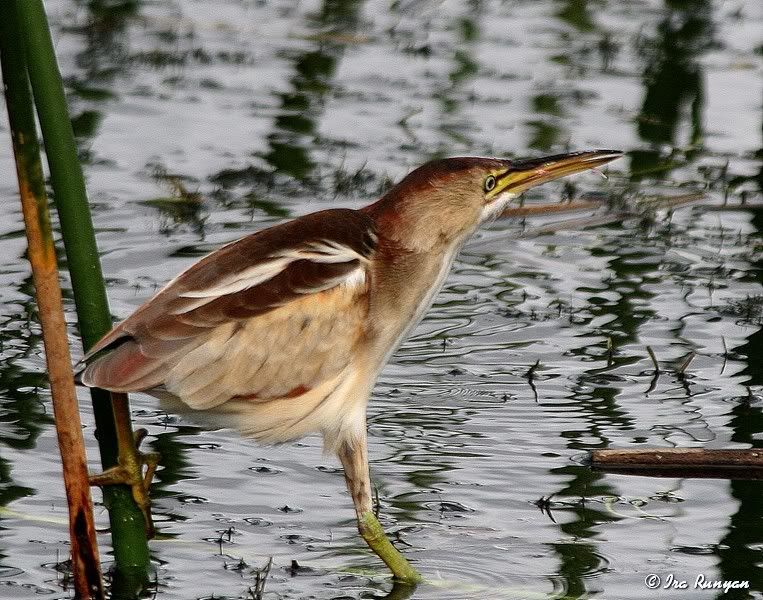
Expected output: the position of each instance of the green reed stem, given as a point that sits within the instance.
(86, 568)
(127, 523)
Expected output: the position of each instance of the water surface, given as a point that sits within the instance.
(199, 122)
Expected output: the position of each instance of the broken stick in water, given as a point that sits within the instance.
(682, 462)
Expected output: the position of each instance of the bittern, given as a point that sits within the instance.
(284, 332)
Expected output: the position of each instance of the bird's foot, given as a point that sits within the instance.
(373, 533)
(129, 471)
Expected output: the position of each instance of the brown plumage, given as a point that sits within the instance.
(284, 332)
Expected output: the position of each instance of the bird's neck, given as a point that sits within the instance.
(405, 283)
(426, 222)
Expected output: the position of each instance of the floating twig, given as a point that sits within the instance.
(544, 504)
(654, 359)
(681, 371)
(656, 376)
(530, 376)
(610, 351)
(603, 213)
(260, 577)
(682, 462)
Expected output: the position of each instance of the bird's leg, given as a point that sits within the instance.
(130, 461)
(354, 457)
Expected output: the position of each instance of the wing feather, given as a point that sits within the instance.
(275, 312)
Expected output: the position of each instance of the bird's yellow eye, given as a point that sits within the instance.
(489, 183)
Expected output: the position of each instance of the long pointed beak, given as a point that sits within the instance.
(526, 173)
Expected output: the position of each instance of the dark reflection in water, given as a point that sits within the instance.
(455, 126)
(738, 550)
(105, 52)
(673, 84)
(599, 409)
(426, 468)
(545, 130)
(738, 559)
(752, 349)
(576, 13)
(577, 560)
(295, 129)
(180, 206)
(175, 466)
(105, 56)
(295, 125)
(23, 415)
(596, 403)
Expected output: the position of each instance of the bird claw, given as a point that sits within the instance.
(129, 471)
(139, 435)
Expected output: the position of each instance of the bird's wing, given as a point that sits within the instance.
(267, 316)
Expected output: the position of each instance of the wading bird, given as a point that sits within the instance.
(284, 332)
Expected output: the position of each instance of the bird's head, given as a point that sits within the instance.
(444, 201)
